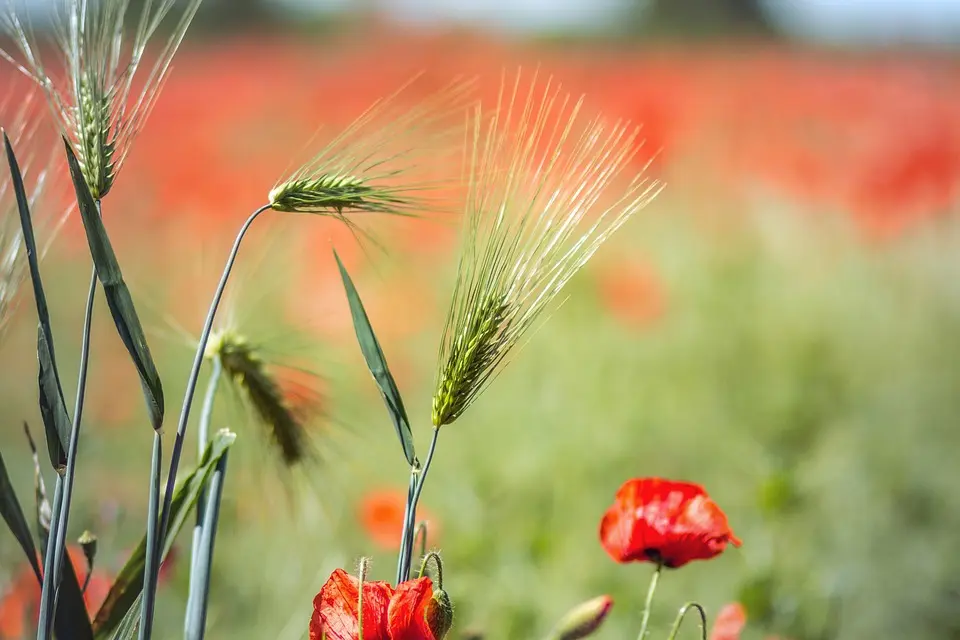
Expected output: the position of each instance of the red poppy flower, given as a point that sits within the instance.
(666, 522)
(414, 611)
(729, 622)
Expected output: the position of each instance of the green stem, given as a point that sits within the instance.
(683, 613)
(411, 516)
(648, 604)
(154, 542)
(60, 542)
(60, 514)
(203, 431)
(433, 555)
(411, 489)
(198, 598)
(420, 535)
(47, 606)
(192, 385)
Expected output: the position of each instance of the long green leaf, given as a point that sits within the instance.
(129, 582)
(16, 521)
(56, 421)
(117, 294)
(377, 364)
(129, 626)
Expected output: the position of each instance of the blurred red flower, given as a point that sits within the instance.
(632, 291)
(20, 603)
(411, 612)
(665, 522)
(381, 515)
(729, 622)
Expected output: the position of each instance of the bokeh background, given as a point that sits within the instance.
(781, 325)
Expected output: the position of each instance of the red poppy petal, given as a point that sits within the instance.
(336, 609)
(406, 619)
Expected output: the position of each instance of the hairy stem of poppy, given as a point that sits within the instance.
(683, 613)
(648, 605)
(364, 563)
(203, 431)
(411, 515)
(437, 563)
(191, 390)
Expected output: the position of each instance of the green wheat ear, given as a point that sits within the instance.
(96, 148)
(284, 424)
(389, 160)
(98, 91)
(545, 190)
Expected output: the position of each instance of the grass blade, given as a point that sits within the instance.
(128, 585)
(129, 627)
(56, 421)
(117, 294)
(16, 521)
(377, 364)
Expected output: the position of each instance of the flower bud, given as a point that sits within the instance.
(583, 620)
(438, 613)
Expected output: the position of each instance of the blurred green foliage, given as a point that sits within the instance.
(807, 377)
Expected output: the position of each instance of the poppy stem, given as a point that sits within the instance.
(645, 621)
(437, 563)
(683, 613)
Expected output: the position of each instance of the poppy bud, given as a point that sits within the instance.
(583, 620)
(438, 613)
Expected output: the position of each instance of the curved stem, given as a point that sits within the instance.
(683, 613)
(647, 605)
(433, 555)
(412, 512)
(194, 375)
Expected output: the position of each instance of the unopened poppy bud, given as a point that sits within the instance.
(438, 613)
(583, 620)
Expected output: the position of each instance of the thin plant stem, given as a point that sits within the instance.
(203, 431)
(683, 614)
(433, 555)
(61, 510)
(47, 604)
(420, 535)
(197, 602)
(154, 542)
(70, 473)
(192, 388)
(648, 604)
(412, 511)
(412, 488)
